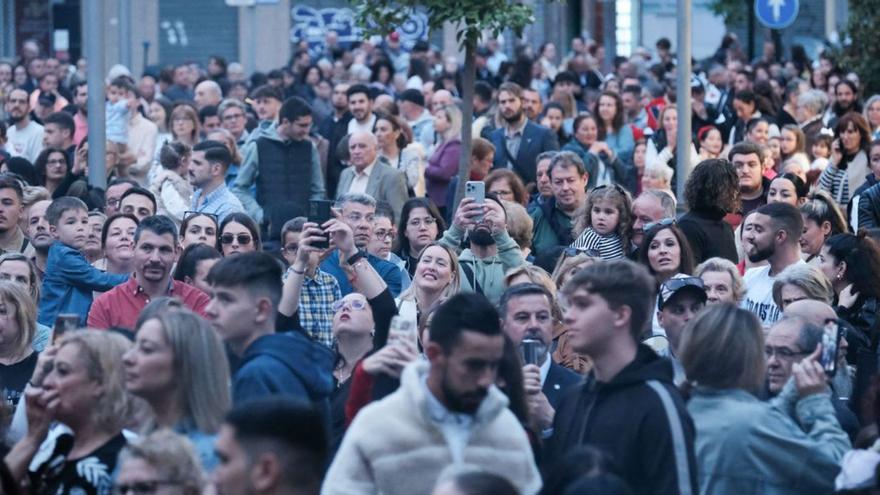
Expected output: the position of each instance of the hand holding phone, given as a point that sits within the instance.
(476, 190)
(320, 211)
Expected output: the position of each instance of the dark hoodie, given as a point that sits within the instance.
(285, 364)
(638, 419)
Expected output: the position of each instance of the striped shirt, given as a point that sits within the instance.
(834, 181)
(609, 246)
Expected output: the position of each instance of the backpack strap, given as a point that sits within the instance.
(679, 446)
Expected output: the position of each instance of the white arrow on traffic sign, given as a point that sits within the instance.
(776, 5)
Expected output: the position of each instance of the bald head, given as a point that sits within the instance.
(362, 147)
(208, 93)
(441, 99)
(815, 312)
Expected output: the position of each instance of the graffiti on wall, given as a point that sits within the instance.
(311, 24)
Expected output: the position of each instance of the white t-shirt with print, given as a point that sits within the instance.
(759, 295)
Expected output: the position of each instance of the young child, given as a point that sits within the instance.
(821, 151)
(605, 222)
(116, 112)
(70, 279)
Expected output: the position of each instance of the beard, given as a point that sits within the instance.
(17, 118)
(481, 236)
(467, 402)
(515, 118)
(762, 254)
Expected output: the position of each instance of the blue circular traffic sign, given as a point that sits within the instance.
(776, 14)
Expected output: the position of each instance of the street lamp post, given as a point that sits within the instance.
(94, 35)
(683, 97)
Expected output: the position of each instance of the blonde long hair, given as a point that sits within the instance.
(15, 295)
(454, 286)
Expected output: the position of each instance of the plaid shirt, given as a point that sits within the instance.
(315, 305)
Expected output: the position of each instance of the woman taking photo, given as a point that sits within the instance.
(198, 228)
(420, 225)
(852, 264)
(612, 128)
(178, 366)
(849, 158)
(117, 239)
(239, 234)
(443, 164)
(396, 146)
(822, 219)
(18, 327)
(602, 164)
(170, 186)
(724, 357)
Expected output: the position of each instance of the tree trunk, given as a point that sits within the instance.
(467, 119)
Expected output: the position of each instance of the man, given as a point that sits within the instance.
(339, 103)
(271, 446)
(527, 313)
(155, 251)
(115, 189)
(12, 239)
(246, 290)
(335, 129)
(446, 411)
(543, 188)
(789, 341)
(748, 158)
(209, 119)
(629, 407)
(233, 117)
(357, 211)
(208, 93)
(207, 173)
(360, 104)
(267, 103)
(650, 206)
(369, 175)
(37, 230)
(519, 141)
(142, 136)
(285, 167)
(553, 221)
(680, 299)
(181, 89)
(139, 202)
(24, 137)
(58, 129)
(412, 108)
(771, 234)
(532, 105)
(634, 111)
(490, 250)
(808, 112)
(81, 118)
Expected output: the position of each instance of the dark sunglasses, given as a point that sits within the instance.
(243, 239)
(674, 284)
(666, 222)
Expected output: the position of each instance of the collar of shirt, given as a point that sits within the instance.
(366, 172)
(438, 413)
(516, 131)
(545, 368)
(135, 288)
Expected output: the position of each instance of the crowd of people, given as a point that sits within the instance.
(200, 326)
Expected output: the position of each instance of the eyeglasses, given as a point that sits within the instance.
(141, 487)
(290, 248)
(666, 222)
(243, 239)
(573, 251)
(417, 222)
(673, 284)
(112, 203)
(353, 304)
(782, 353)
(235, 116)
(383, 234)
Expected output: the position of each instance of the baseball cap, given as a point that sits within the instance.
(566, 76)
(413, 96)
(676, 285)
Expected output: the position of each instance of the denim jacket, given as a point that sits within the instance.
(69, 282)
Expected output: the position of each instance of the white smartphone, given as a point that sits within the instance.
(401, 329)
(476, 190)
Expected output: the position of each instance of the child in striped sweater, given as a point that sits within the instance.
(605, 222)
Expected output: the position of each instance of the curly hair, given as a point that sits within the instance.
(621, 199)
(712, 186)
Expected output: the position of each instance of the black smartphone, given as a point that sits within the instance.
(319, 212)
(830, 347)
(532, 350)
(64, 323)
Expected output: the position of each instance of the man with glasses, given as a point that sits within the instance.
(113, 196)
(233, 117)
(358, 211)
(384, 233)
(155, 251)
(790, 341)
(285, 167)
(207, 173)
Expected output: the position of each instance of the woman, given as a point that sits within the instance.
(852, 264)
(822, 219)
(160, 114)
(711, 143)
(443, 164)
(746, 108)
(612, 128)
(666, 251)
(661, 150)
(507, 186)
(602, 164)
(872, 115)
(185, 124)
(18, 327)
(711, 192)
(420, 225)
(52, 167)
(555, 119)
(801, 281)
(18, 268)
(178, 366)
(788, 188)
(117, 239)
(170, 185)
(198, 228)
(793, 149)
(722, 281)
(162, 459)
(396, 146)
(194, 264)
(435, 280)
(758, 131)
(659, 178)
(849, 158)
(239, 234)
(83, 390)
(93, 249)
(724, 357)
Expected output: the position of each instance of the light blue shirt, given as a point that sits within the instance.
(456, 427)
(220, 202)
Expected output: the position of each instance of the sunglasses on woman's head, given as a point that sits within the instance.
(243, 239)
(354, 304)
(666, 222)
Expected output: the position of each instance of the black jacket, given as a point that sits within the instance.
(708, 235)
(866, 201)
(638, 419)
(559, 380)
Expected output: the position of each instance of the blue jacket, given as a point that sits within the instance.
(69, 282)
(389, 272)
(288, 364)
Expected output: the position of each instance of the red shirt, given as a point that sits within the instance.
(120, 306)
